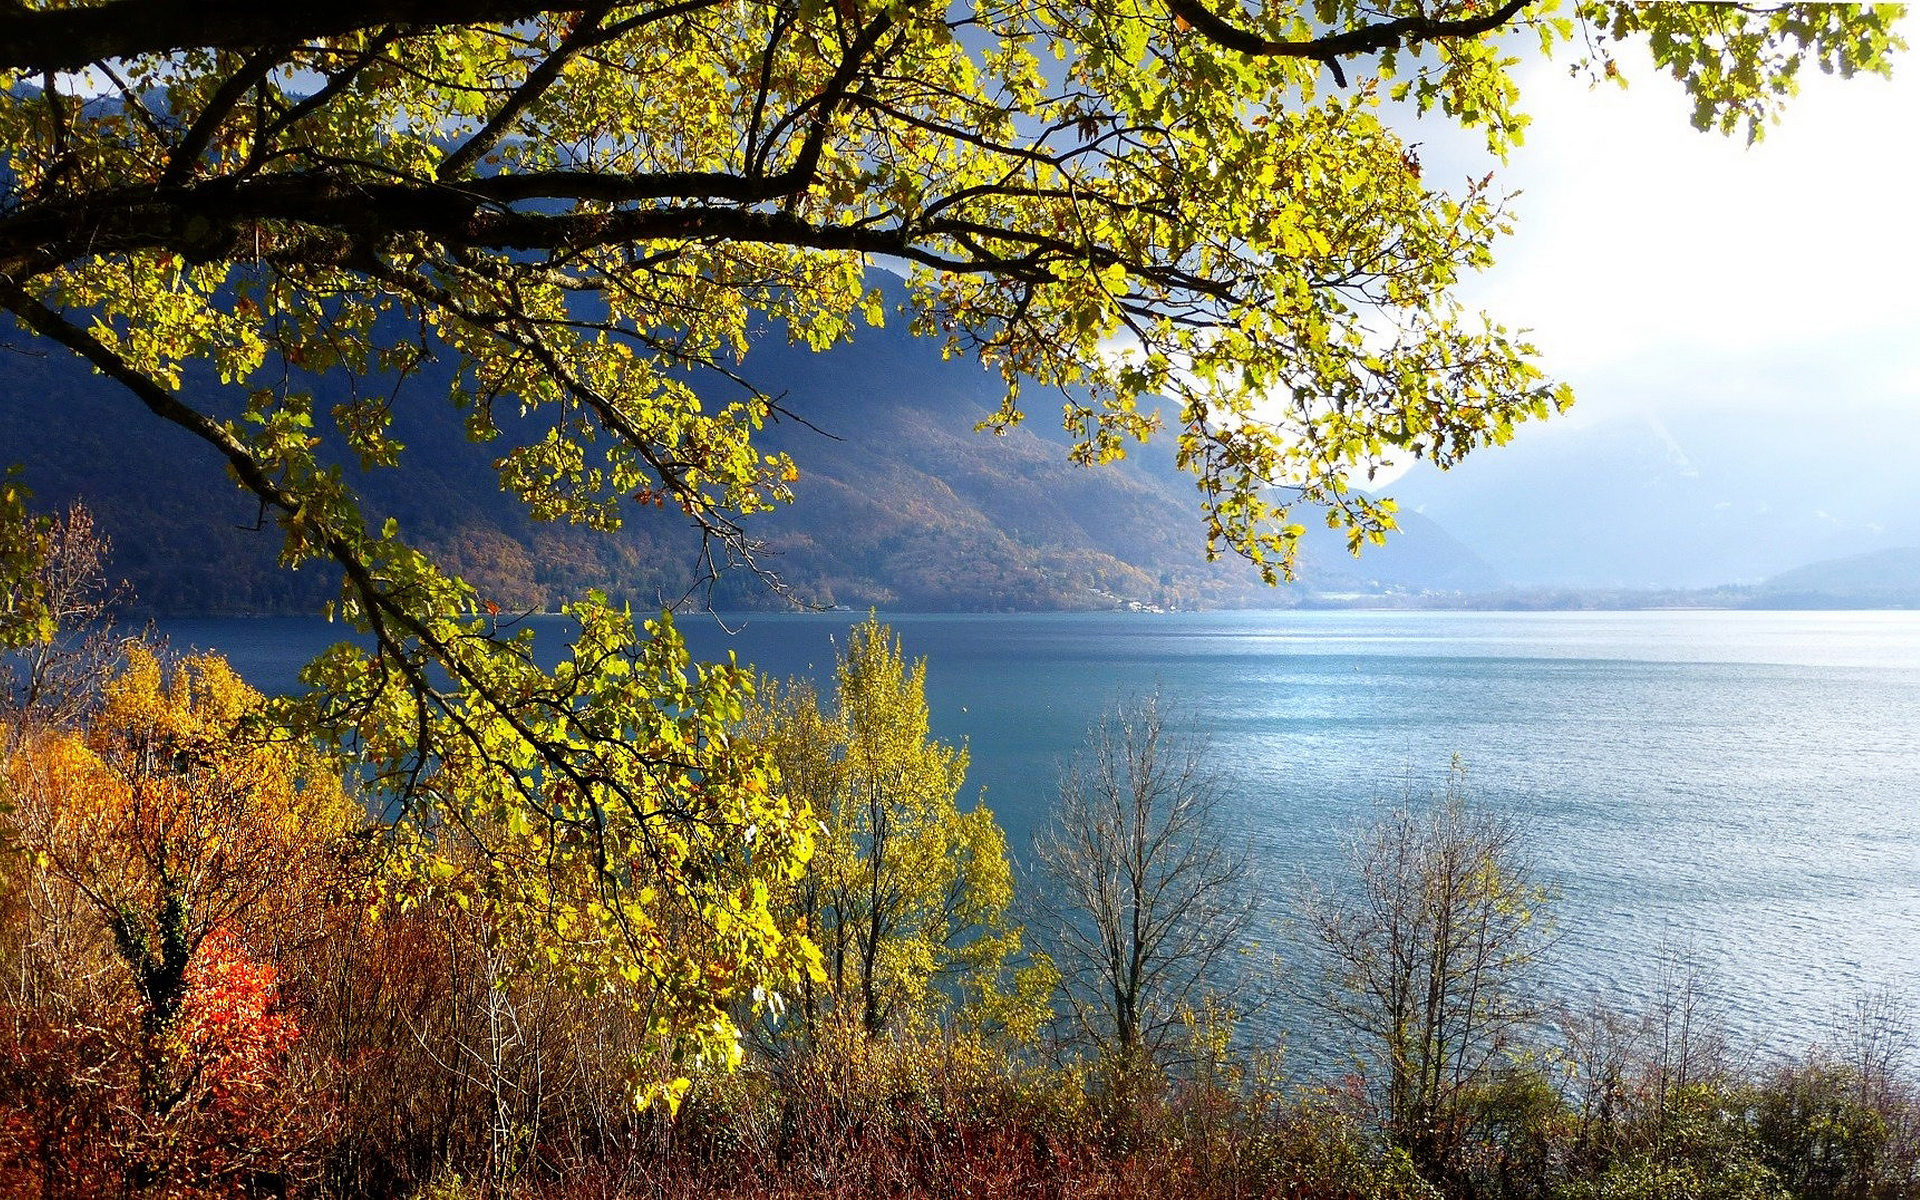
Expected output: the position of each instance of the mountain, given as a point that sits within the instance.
(1696, 497)
(1883, 579)
(900, 503)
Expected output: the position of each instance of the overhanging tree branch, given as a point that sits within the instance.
(391, 620)
(217, 219)
(67, 39)
(1364, 39)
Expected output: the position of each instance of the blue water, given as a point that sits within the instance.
(1743, 787)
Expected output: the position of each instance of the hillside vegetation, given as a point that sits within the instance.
(1883, 579)
(900, 504)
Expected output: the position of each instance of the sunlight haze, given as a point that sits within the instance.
(1738, 324)
(1658, 265)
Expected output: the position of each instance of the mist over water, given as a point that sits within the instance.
(1742, 787)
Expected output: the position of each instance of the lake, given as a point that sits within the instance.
(1742, 787)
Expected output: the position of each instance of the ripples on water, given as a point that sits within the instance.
(1743, 786)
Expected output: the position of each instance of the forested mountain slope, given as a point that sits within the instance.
(900, 503)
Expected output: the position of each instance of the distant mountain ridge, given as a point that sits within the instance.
(1881, 579)
(1696, 497)
(900, 505)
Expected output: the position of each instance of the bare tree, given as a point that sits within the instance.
(1686, 1031)
(51, 682)
(1146, 898)
(1427, 960)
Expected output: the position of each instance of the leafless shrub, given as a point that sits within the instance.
(51, 683)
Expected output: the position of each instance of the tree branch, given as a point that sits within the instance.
(66, 39)
(186, 156)
(383, 609)
(538, 80)
(216, 221)
(1383, 35)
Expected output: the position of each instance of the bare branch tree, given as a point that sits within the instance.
(1146, 900)
(1875, 1037)
(1427, 960)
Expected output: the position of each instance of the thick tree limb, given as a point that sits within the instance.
(219, 220)
(66, 39)
(1364, 39)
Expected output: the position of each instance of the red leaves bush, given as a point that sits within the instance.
(205, 1107)
(226, 1117)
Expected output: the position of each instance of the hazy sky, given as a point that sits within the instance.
(1659, 266)
(1752, 312)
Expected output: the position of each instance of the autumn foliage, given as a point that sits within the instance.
(156, 857)
(226, 1051)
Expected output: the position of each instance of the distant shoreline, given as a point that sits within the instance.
(1521, 603)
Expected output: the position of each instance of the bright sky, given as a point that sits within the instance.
(1658, 266)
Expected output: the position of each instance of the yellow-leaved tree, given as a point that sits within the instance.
(908, 894)
(647, 870)
(181, 810)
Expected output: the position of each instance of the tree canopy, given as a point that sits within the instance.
(1163, 211)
